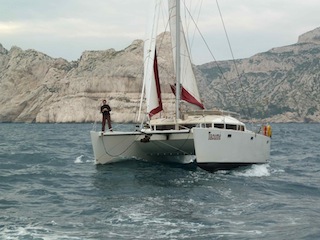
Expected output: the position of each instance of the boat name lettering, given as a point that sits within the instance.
(213, 136)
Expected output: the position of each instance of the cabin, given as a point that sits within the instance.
(203, 119)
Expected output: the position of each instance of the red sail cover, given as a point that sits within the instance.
(186, 96)
(157, 81)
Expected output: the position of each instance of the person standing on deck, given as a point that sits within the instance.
(105, 110)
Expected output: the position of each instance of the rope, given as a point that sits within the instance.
(216, 62)
(179, 149)
(94, 126)
(175, 148)
(233, 60)
(117, 155)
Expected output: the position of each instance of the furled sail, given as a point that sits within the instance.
(151, 76)
(189, 88)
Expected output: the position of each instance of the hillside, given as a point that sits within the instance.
(278, 85)
(282, 84)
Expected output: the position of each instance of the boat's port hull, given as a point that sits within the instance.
(165, 146)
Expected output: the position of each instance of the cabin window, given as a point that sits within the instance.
(231, 126)
(219, 125)
(203, 125)
(187, 126)
(165, 127)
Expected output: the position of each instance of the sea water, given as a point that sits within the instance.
(51, 189)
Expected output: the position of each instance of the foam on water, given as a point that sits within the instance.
(79, 159)
(254, 171)
(28, 232)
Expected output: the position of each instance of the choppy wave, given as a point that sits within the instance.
(79, 159)
(50, 189)
(260, 170)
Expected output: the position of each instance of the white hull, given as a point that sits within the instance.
(214, 141)
(224, 149)
(164, 146)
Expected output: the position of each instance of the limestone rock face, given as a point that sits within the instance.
(98, 75)
(38, 88)
(278, 85)
(28, 81)
(310, 37)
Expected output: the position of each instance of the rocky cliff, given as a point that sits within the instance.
(38, 88)
(280, 85)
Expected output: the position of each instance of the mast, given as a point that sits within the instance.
(178, 60)
(185, 87)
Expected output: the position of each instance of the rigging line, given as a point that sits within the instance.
(145, 60)
(188, 25)
(161, 44)
(141, 73)
(216, 62)
(189, 36)
(117, 155)
(176, 148)
(166, 144)
(233, 59)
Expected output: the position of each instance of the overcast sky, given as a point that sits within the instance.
(66, 28)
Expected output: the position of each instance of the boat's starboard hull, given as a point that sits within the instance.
(218, 149)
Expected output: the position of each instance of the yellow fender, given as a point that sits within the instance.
(269, 131)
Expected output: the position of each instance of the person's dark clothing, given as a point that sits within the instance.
(105, 110)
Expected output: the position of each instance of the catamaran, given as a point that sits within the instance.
(214, 139)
